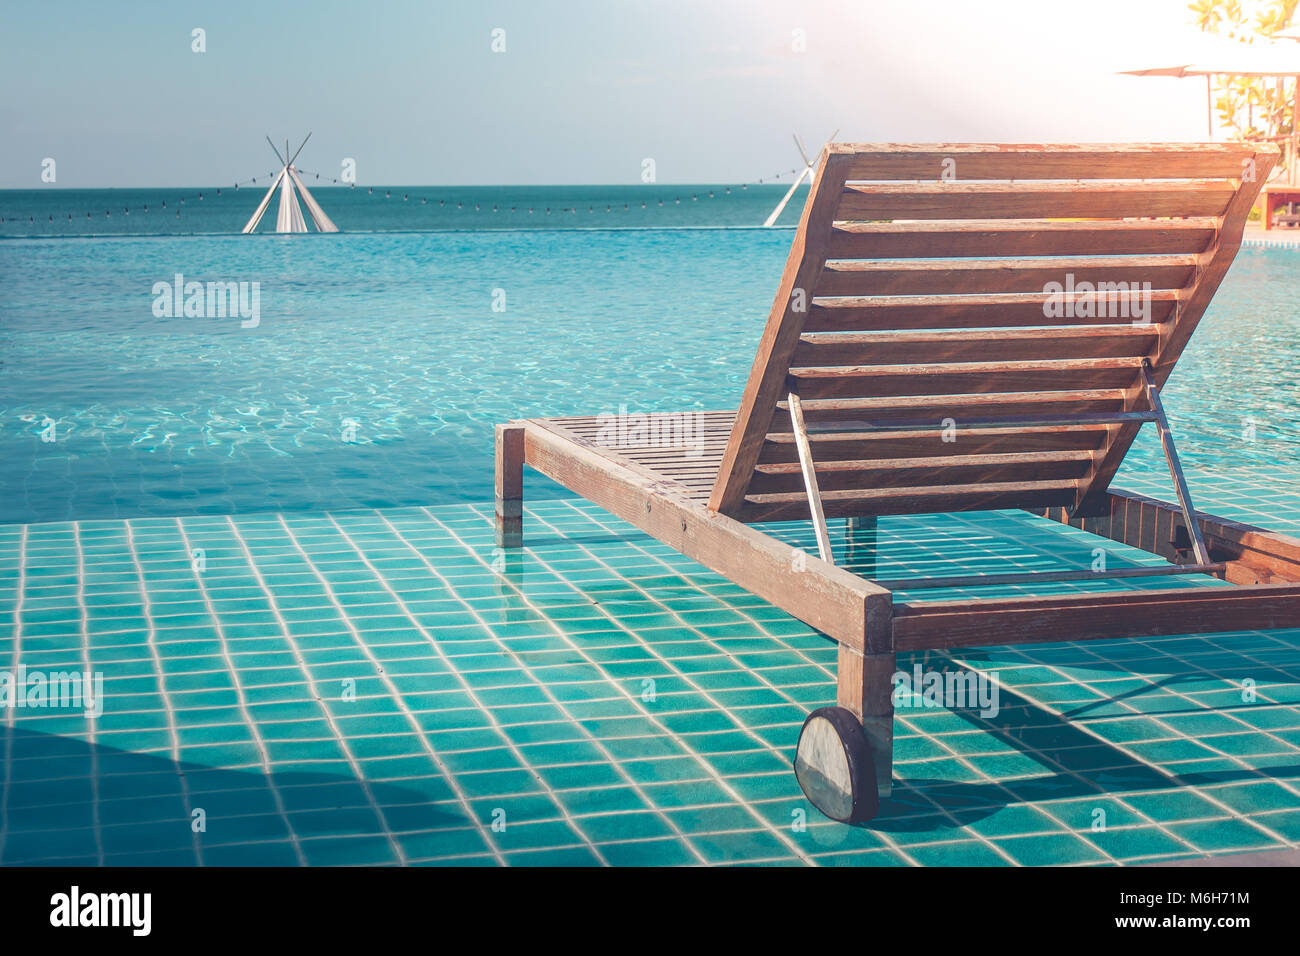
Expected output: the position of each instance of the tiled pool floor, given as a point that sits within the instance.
(377, 687)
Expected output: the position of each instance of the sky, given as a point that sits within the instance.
(584, 91)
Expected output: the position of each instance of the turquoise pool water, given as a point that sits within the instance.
(379, 363)
(276, 546)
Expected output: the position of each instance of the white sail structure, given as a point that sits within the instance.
(289, 216)
(807, 174)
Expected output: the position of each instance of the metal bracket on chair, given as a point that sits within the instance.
(1175, 467)
(810, 480)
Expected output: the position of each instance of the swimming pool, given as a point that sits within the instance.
(275, 543)
(380, 362)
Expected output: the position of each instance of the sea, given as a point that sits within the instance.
(382, 355)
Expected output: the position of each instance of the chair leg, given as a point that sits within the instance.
(510, 485)
(860, 545)
(866, 688)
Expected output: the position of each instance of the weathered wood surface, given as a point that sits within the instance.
(625, 483)
(766, 383)
(1175, 335)
(509, 485)
(1253, 555)
(967, 292)
(1029, 200)
(1095, 617)
(1020, 237)
(976, 161)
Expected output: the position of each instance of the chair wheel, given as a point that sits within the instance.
(834, 767)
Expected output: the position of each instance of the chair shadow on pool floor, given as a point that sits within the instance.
(141, 815)
(1077, 764)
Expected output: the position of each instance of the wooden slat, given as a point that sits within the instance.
(1084, 617)
(1042, 577)
(1253, 555)
(999, 310)
(963, 378)
(1014, 237)
(1174, 337)
(834, 411)
(973, 276)
(915, 500)
(1122, 192)
(767, 379)
(779, 447)
(828, 598)
(1093, 200)
(966, 161)
(983, 345)
(913, 472)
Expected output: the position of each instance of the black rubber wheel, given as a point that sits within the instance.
(834, 767)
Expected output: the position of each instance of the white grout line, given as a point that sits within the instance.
(810, 661)
(396, 694)
(91, 736)
(1279, 781)
(253, 730)
(1040, 806)
(721, 781)
(348, 755)
(12, 715)
(588, 736)
(1123, 747)
(151, 630)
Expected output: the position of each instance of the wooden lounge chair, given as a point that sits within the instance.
(940, 292)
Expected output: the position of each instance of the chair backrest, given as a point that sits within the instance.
(962, 323)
